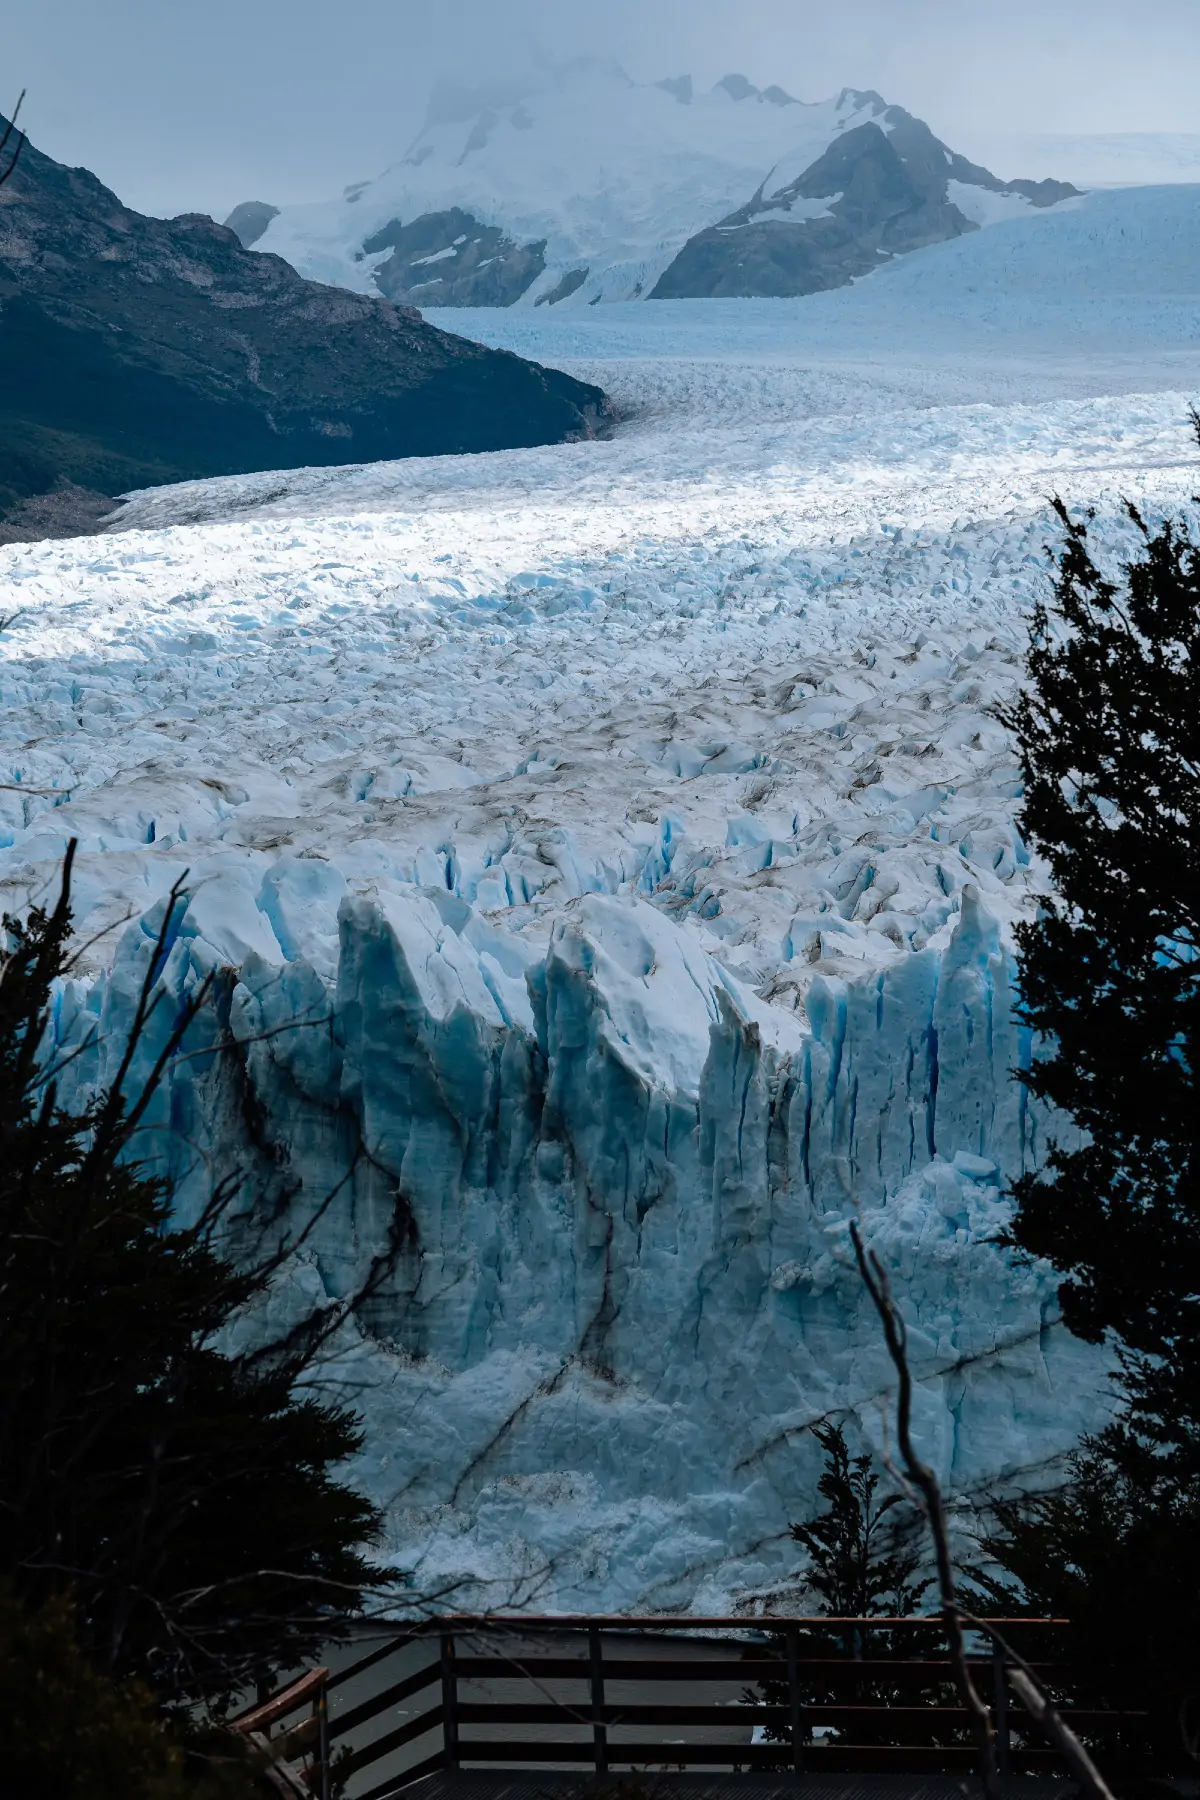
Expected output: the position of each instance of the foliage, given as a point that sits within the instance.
(1109, 734)
(863, 1558)
(1116, 1553)
(186, 1499)
(864, 1554)
(71, 1734)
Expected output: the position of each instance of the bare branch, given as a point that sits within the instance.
(1029, 1690)
(113, 1113)
(930, 1497)
(17, 148)
(231, 1042)
(1021, 1677)
(1059, 1732)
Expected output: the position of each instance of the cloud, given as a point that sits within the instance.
(200, 103)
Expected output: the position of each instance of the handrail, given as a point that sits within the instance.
(685, 1622)
(310, 1738)
(286, 1700)
(873, 1699)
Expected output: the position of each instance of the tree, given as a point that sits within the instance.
(185, 1498)
(70, 1733)
(1109, 734)
(863, 1558)
(1116, 1552)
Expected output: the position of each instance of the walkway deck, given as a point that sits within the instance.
(547, 1784)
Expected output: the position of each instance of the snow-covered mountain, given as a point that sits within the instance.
(1095, 159)
(590, 187)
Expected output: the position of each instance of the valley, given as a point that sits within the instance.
(631, 819)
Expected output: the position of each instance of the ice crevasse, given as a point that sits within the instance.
(620, 1184)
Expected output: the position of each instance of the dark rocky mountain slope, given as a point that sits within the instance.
(487, 267)
(249, 220)
(135, 351)
(887, 187)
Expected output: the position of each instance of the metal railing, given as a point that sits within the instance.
(297, 1760)
(809, 1696)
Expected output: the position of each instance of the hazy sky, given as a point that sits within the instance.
(196, 104)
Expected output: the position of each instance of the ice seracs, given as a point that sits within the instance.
(621, 1185)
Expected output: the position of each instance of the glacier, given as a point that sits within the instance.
(625, 1182)
(606, 857)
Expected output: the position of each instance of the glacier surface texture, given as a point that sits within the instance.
(606, 855)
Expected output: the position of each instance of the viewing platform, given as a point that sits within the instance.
(506, 1708)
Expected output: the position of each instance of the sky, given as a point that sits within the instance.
(193, 105)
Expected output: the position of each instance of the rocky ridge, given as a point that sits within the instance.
(136, 350)
(881, 189)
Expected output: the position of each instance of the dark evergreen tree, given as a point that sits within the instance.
(1116, 1553)
(1109, 734)
(187, 1500)
(71, 1733)
(864, 1550)
(864, 1561)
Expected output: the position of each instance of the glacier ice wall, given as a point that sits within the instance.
(607, 861)
(622, 1183)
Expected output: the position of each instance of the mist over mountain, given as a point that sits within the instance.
(579, 186)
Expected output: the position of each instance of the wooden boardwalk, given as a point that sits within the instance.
(546, 1784)
(668, 1709)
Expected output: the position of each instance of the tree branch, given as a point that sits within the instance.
(1022, 1680)
(1059, 1732)
(17, 148)
(925, 1481)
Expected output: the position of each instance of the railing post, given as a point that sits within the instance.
(449, 1701)
(793, 1669)
(321, 1709)
(1000, 1695)
(599, 1728)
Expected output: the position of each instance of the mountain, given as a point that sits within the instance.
(1098, 159)
(587, 186)
(249, 220)
(882, 188)
(136, 350)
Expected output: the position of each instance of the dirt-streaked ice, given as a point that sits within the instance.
(627, 825)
